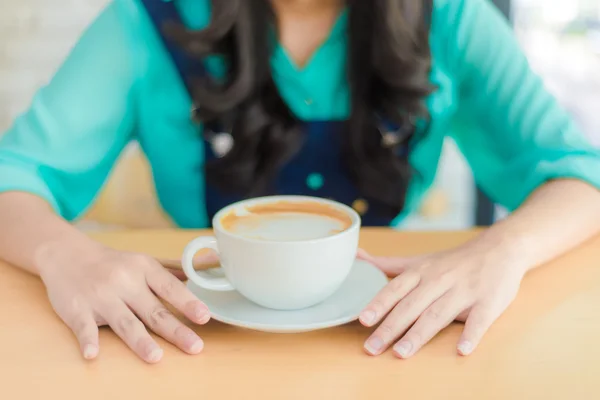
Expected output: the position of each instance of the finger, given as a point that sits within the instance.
(462, 317)
(172, 290)
(85, 329)
(201, 262)
(401, 318)
(160, 320)
(435, 318)
(478, 322)
(385, 300)
(177, 274)
(131, 330)
(391, 266)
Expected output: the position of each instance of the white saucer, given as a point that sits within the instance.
(344, 306)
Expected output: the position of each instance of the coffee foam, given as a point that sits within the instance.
(287, 221)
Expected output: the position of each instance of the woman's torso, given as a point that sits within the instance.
(318, 94)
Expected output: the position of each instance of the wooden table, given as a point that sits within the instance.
(544, 347)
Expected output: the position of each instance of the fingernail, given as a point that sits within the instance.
(197, 346)
(192, 342)
(90, 351)
(367, 317)
(465, 348)
(155, 355)
(201, 313)
(403, 349)
(374, 345)
(203, 320)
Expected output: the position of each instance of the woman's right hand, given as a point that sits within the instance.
(102, 286)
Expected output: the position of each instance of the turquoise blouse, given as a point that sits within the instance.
(119, 85)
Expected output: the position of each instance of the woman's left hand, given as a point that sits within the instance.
(471, 284)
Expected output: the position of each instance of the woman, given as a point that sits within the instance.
(343, 99)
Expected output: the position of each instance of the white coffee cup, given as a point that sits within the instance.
(281, 275)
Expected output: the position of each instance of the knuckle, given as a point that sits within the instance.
(405, 282)
(168, 287)
(397, 284)
(120, 276)
(386, 330)
(377, 305)
(425, 265)
(101, 292)
(432, 314)
(127, 325)
(413, 277)
(157, 316)
(76, 304)
(460, 297)
(473, 284)
(80, 325)
(138, 259)
(416, 337)
(444, 278)
(410, 302)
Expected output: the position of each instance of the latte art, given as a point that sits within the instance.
(287, 221)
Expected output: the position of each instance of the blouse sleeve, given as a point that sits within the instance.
(64, 146)
(513, 133)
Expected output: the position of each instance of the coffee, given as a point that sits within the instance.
(287, 221)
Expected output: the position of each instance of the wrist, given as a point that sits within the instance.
(513, 248)
(64, 249)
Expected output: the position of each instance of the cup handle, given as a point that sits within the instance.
(202, 278)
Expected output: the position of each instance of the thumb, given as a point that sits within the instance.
(391, 266)
(201, 262)
(478, 322)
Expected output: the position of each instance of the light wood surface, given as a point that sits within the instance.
(544, 347)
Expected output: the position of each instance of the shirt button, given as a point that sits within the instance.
(315, 181)
(221, 143)
(308, 102)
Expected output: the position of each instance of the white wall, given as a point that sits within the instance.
(35, 35)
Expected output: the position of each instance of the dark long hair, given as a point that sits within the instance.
(388, 69)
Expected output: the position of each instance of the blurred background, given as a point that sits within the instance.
(560, 37)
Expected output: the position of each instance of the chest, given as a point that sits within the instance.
(317, 170)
